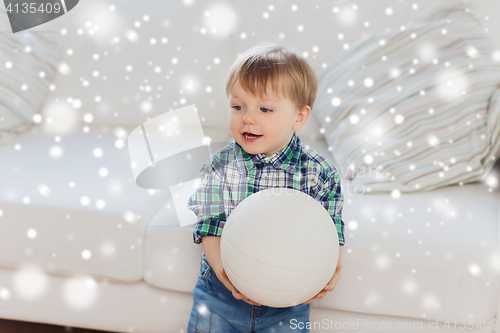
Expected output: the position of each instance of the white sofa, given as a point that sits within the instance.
(85, 247)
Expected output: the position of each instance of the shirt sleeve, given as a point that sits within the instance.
(208, 204)
(331, 197)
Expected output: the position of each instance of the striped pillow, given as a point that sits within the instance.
(28, 61)
(415, 108)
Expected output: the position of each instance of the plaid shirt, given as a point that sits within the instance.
(233, 175)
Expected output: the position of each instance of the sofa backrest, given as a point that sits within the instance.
(132, 61)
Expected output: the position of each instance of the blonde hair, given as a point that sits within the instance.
(287, 73)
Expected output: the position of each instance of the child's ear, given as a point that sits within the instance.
(302, 117)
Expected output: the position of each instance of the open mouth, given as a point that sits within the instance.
(249, 135)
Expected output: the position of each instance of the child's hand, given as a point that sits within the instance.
(222, 276)
(331, 284)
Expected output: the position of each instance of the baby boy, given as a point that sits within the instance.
(271, 91)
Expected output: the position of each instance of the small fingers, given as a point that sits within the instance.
(321, 294)
(237, 295)
(339, 266)
(333, 282)
(310, 301)
(330, 286)
(247, 300)
(240, 296)
(234, 291)
(254, 303)
(223, 275)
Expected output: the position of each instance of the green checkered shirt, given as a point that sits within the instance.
(233, 175)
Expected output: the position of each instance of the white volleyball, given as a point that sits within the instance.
(279, 247)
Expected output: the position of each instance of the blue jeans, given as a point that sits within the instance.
(215, 310)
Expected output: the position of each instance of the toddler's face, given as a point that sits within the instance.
(270, 120)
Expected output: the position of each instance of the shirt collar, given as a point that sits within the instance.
(285, 159)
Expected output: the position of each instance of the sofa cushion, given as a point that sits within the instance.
(431, 254)
(414, 109)
(171, 258)
(29, 61)
(422, 255)
(69, 204)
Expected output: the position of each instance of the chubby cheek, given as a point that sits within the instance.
(233, 124)
(232, 116)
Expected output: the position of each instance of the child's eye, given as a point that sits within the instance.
(266, 110)
(236, 107)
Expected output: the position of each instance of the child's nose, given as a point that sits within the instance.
(248, 118)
